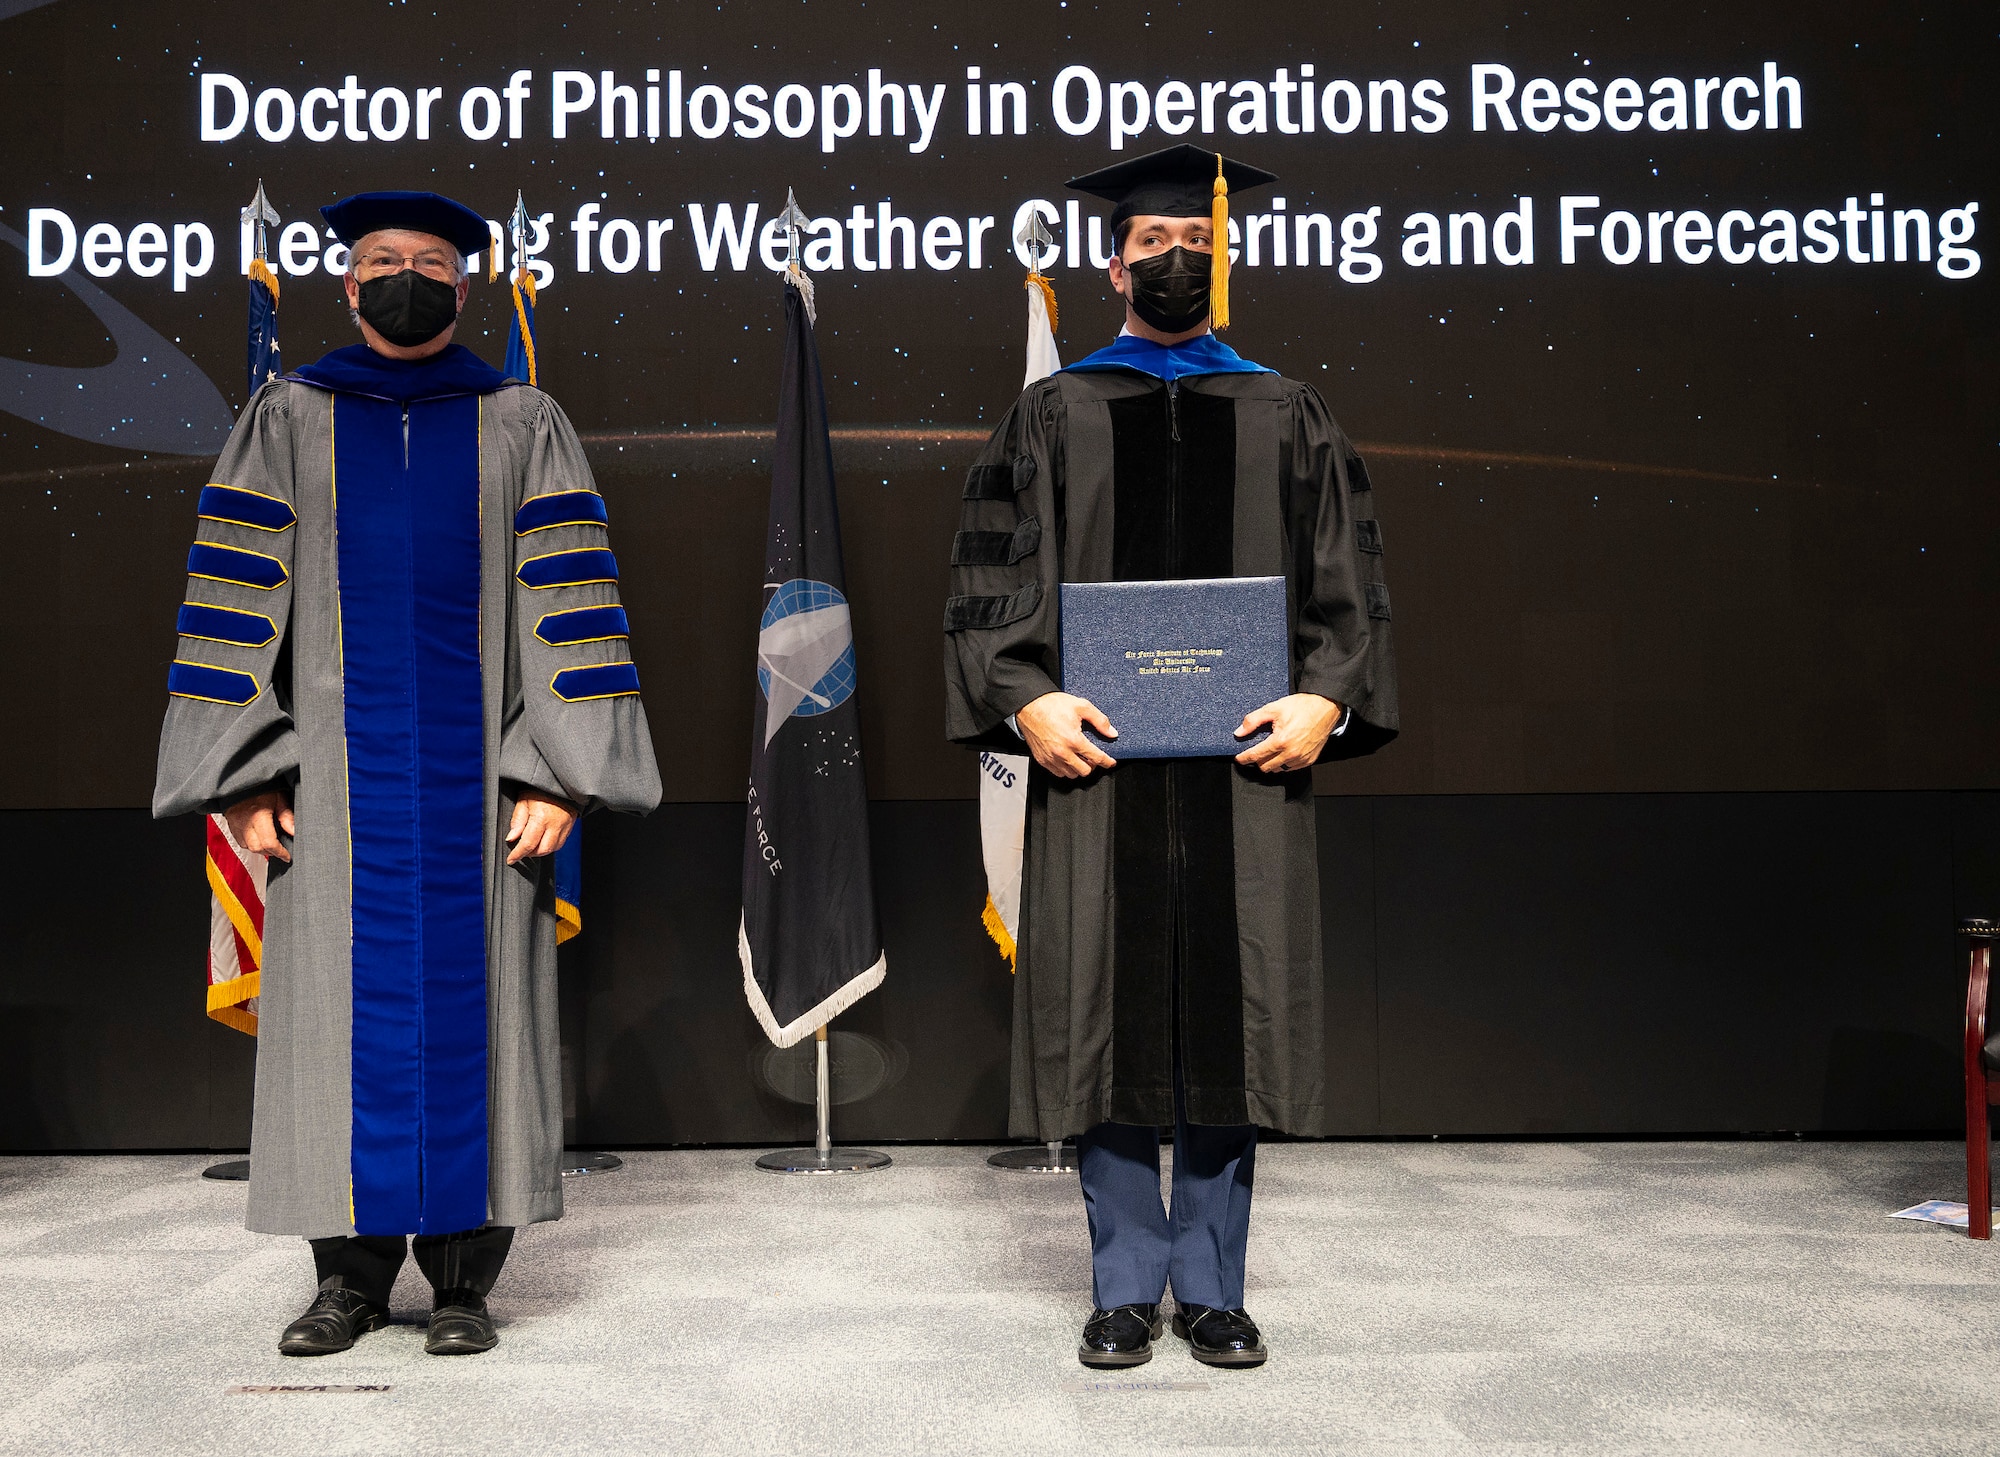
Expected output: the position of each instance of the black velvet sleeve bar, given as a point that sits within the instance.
(1001, 644)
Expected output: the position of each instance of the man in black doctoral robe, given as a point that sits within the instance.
(1169, 969)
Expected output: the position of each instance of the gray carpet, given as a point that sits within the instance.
(1490, 1298)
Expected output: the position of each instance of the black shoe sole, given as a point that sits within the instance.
(1111, 1360)
(1209, 1356)
(372, 1323)
(459, 1348)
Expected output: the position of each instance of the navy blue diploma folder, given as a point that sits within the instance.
(1176, 665)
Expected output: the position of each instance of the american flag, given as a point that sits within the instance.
(235, 928)
(235, 876)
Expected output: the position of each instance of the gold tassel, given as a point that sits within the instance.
(1218, 271)
(1041, 281)
(260, 272)
(526, 280)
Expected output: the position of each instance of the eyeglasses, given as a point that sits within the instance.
(431, 263)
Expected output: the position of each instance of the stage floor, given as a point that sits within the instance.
(1433, 1297)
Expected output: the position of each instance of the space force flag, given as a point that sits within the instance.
(809, 939)
(1003, 778)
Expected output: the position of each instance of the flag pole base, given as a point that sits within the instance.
(234, 1171)
(576, 1164)
(823, 1161)
(1040, 1158)
(823, 1157)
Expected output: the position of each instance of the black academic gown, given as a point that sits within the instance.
(1167, 905)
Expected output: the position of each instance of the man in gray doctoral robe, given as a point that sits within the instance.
(403, 672)
(1169, 958)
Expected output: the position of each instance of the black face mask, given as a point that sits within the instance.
(1170, 289)
(409, 309)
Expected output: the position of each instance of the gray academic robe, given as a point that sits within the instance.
(1153, 934)
(593, 753)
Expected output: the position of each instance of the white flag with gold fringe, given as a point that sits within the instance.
(1003, 778)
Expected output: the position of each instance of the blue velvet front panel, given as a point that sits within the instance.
(408, 518)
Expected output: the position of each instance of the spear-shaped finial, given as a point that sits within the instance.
(1035, 236)
(518, 227)
(796, 222)
(259, 214)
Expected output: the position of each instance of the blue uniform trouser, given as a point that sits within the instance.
(1137, 1248)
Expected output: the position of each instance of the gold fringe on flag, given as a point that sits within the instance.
(1041, 281)
(226, 998)
(1218, 271)
(525, 280)
(260, 272)
(997, 929)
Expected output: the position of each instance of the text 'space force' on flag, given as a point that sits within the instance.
(810, 941)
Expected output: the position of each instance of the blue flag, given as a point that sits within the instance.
(265, 365)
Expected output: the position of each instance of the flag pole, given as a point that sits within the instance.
(510, 247)
(823, 1157)
(245, 888)
(1034, 237)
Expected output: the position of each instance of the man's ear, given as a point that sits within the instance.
(464, 290)
(1116, 269)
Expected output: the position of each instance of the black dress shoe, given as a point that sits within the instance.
(1121, 1337)
(1219, 1337)
(333, 1322)
(460, 1325)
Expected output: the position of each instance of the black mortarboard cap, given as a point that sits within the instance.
(1176, 183)
(354, 218)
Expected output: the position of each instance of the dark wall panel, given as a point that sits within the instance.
(104, 1041)
(670, 1050)
(1531, 964)
(1644, 963)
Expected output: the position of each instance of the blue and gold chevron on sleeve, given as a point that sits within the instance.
(210, 684)
(214, 562)
(583, 624)
(245, 508)
(599, 680)
(559, 508)
(226, 624)
(568, 568)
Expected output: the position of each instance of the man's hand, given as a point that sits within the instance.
(539, 827)
(1053, 726)
(256, 821)
(1299, 726)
